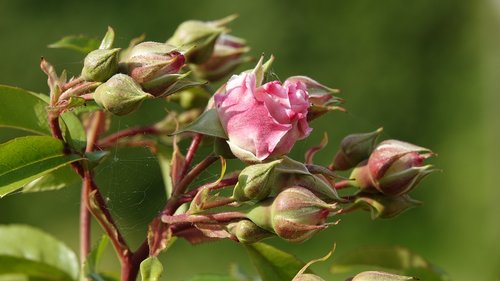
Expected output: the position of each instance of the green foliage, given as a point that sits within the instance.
(25, 159)
(60, 178)
(27, 251)
(79, 43)
(151, 269)
(273, 264)
(397, 259)
(25, 111)
(94, 258)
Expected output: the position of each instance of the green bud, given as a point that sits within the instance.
(380, 276)
(200, 36)
(120, 95)
(248, 232)
(99, 65)
(255, 182)
(295, 215)
(354, 149)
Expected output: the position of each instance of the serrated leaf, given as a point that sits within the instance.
(273, 264)
(25, 159)
(108, 40)
(30, 252)
(207, 123)
(79, 43)
(58, 179)
(151, 269)
(395, 258)
(212, 278)
(24, 110)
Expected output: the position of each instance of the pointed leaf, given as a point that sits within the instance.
(74, 132)
(395, 258)
(58, 179)
(273, 264)
(24, 110)
(79, 43)
(25, 159)
(151, 269)
(109, 38)
(27, 251)
(207, 124)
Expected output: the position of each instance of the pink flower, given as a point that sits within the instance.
(262, 121)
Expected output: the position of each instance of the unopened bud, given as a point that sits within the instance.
(295, 215)
(354, 149)
(200, 37)
(255, 182)
(227, 55)
(99, 65)
(380, 276)
(248, 232)
(394, 168)
(150, 62)
(120, 95)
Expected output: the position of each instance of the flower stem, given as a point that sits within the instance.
(195, 143)
(112, 139)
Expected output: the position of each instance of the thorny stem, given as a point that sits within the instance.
(113, 138)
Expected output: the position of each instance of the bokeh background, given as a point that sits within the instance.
(428, 71)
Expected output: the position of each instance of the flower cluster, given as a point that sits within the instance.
(251, 117)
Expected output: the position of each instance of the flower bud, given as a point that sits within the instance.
(354, 149)
(255, 182)
(120, 95)
(294, 215)
(248, 232)
(227, 55)
(154, 65)
(393, 168)
(379, 276)
(200, 37)
(385, 207)
(100, 64)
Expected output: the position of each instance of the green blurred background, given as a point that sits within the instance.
(425, 70)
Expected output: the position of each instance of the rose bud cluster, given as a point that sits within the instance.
(295, 214)
(354, 149)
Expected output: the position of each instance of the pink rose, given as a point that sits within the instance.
(262, 122)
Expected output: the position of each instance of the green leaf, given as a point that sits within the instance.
(109, 38)
(23, 110)
(273, 264)
(94, 257)
(58, 179)
(25, 159)
(207, 123)
(151, 269)
(212, 278)
(395, 258)
(74, 132)
(31, 252)
(79, 43)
